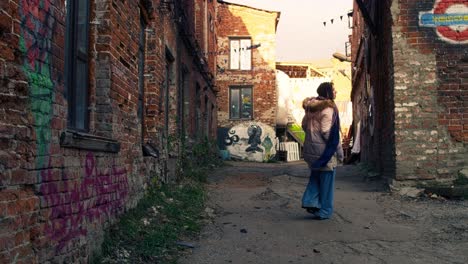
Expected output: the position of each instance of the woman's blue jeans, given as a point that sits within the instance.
(319, 192)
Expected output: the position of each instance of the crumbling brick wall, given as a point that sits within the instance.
(260, 25)
(419, 86)
(430, 91)
(55, 200)
(372, 92)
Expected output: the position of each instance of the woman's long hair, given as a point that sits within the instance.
(325, 92)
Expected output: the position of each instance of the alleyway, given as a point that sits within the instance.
(257, 219)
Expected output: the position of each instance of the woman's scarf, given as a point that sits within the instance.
(332, 143)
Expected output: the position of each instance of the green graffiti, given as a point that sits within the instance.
(41, 108)
(37, 26)
(267, 144)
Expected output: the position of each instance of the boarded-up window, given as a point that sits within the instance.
(240, 54)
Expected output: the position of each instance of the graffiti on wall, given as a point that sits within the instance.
(252, 141)
(449, 18)
(100, 194)
(100, 188)
(254, 132)
(37, 27)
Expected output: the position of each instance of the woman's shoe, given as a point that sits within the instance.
(317, 217)
(312, 210)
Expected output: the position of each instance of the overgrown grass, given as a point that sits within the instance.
(461, 181)
(167, 213)
(202, 158)
(149, 232)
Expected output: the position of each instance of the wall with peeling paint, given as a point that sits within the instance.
(260, 26)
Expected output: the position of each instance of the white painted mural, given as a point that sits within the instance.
(253, 141)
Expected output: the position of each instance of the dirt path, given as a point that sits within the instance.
(258, 219)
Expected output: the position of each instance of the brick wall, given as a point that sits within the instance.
(419, 86)
(430, 92)
(55, 197)
(260, 25)
(55, 201)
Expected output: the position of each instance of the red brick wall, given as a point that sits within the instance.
(55, 201)
(154, 78)
(430, 93)
(260, 25)
(419, 90)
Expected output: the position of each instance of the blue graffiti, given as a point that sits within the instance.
(436, 20)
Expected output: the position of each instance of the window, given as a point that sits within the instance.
(141, 69)
(240, 54)
(77, 64)
(240, 103)
(169, 81)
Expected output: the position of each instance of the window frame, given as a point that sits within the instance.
(73, 56)
(141, 70)
(239, 68)
(240, 88)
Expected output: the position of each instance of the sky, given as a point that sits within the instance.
(301, 35)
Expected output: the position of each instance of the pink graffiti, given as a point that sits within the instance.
(37, 31)
(100, 195)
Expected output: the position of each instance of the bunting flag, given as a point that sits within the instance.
(250, 47)
(349, 14)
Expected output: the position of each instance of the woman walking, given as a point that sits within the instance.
(322, 150)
